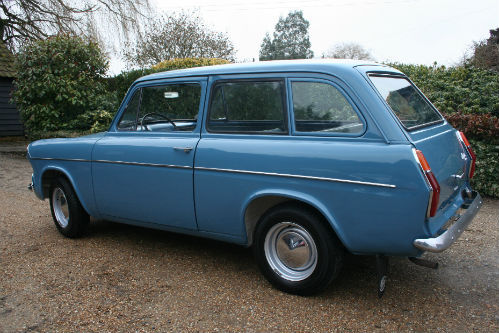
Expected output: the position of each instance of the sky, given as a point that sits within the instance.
(407, 31)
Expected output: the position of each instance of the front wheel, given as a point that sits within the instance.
(69, 216)
(296, 251)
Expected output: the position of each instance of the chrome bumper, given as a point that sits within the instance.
(441, 243)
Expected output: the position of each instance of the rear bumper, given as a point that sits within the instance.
(459, 223)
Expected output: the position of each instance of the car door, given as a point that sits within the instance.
(143, 167)
(245, 138)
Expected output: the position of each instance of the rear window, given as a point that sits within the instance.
(410, 107)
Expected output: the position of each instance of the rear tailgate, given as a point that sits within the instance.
(447, 158)
(428, 131)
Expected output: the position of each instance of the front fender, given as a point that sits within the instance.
(82, 188)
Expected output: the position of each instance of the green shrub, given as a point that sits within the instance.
(486, 178)
(477, 126)
(38, 135)
(60, 84)
(118, 85)
(169, 65)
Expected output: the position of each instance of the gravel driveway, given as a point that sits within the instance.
(121, 278)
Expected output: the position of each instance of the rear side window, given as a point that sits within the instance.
(410, 107)
(320, 107)
(248, 107)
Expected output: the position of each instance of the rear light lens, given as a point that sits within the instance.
(467, 145)
(430, 177)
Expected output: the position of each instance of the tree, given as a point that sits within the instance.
(348, 51)
(27, 20)
(59, 84)
(290, 39)
(486, 52)
(178, 35)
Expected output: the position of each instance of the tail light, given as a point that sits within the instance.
(434, 186)
(467, 145)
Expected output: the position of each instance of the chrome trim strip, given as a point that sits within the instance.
(116, 162)
(145, 164)
(230, 171)
(61, 159)
(296, 176)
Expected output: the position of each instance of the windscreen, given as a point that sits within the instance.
(410, 107)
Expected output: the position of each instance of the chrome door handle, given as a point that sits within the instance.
(185, 149)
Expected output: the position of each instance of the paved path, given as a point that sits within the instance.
(121, 278)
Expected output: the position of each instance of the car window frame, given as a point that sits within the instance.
(401, 76)
(284, 101)
(125, 108)
(342, 91)
(202, 81)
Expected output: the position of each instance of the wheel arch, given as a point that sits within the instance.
(258, 204)
(49, 174)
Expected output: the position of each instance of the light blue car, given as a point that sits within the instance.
(302, 160)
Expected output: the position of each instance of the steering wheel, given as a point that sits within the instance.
(156, 114)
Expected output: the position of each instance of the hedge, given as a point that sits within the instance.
(482, 127)
(464, 89)
(486, 178)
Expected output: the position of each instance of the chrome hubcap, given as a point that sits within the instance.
(61, 209)
(290, 251)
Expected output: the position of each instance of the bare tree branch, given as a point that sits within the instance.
(348, 51)
(24, 20)
(180, 35)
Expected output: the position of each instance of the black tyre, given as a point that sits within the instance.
(69, 216)
(296, 251)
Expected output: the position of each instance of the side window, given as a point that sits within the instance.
(166, 108)
(248, 107)
(128, 121)
(320, 107)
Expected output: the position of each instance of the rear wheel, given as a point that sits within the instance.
(296, 251)
(69, 216)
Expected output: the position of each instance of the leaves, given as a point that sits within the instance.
(290, 39)
(483, 127)
(59, 79)
(486, 178)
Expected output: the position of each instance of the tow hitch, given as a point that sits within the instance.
(382, 269)
(424, 262)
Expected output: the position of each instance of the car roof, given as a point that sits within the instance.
(309, 65)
